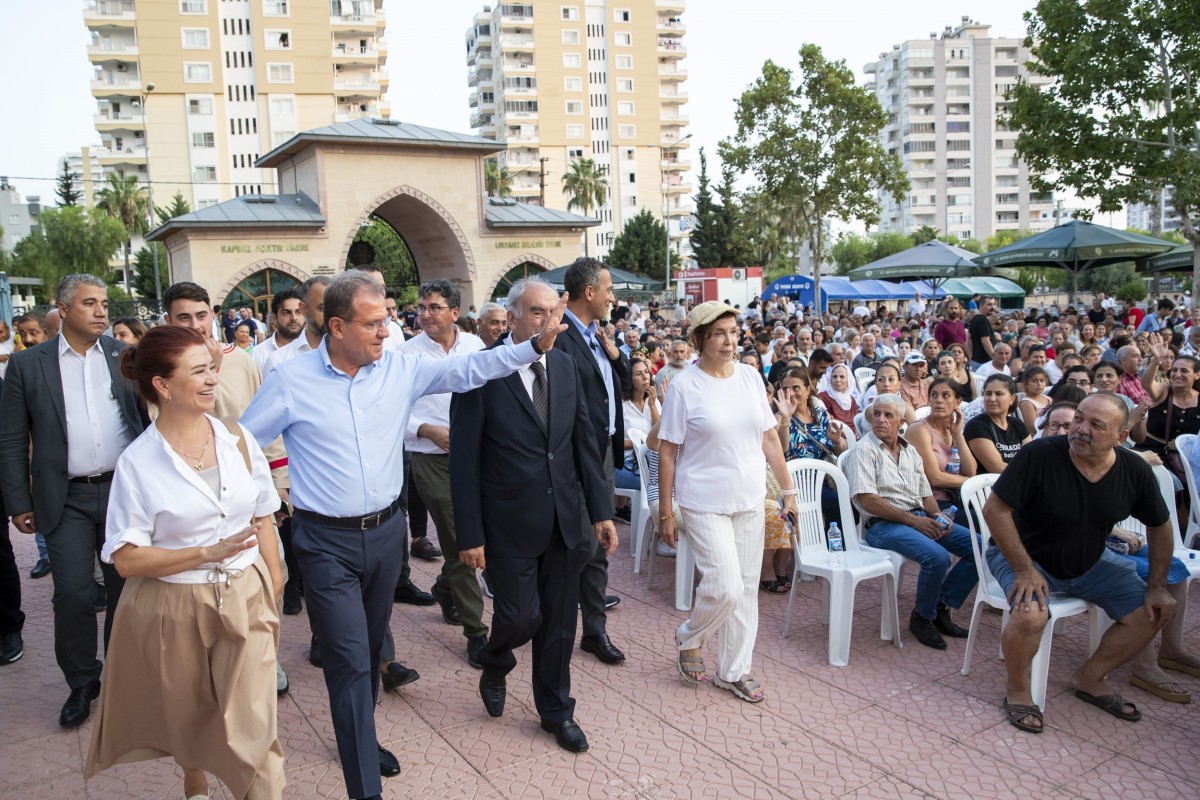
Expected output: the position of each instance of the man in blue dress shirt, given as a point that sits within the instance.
(342, 410)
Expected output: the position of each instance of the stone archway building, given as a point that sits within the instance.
(426, 183)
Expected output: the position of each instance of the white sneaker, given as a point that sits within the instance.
(663, 549)
(281, 682)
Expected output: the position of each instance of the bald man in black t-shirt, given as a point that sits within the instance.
(1049, 514)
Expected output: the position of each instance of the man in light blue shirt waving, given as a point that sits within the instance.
(342, 410)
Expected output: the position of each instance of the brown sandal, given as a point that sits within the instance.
(687, 663)
(744, 688)
(1017, 711)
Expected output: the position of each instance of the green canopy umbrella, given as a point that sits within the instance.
(622, 280)
(935, 262)
(1181, 257)
(1075, 246)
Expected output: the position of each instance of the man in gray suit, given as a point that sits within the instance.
(67, 399)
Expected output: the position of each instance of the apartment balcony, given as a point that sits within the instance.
(347, 54)
(522, 164)
(516, 43)
(113, 51)
(124, 120)
(367, 84)
(481, 119)
(668, 119)
(520, 116)
(670, 5)
(356, 23)
(509, 19)
(525, 138)
(350, 111)
(672, 93)
(676, 187)
(108, 85)
(668, 26)
(109, 13)
(669, 47)
(526, 190)
(479, 74)
(671, 71)
(516, 66)
(672, 164)
(110, 157)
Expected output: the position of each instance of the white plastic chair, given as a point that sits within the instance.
(1185, 443)
(685, 564)
(639, 512)
(863, 377)
(975, 493)
(841, 571)
(979, 381)
(922, 412)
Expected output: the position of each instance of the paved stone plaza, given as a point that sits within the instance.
(893, 724)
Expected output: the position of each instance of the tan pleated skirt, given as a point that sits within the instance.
(188, 680)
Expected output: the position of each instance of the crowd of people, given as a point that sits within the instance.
(200, 479)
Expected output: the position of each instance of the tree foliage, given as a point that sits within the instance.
(1121, 115)
(925, 233)
(1132, 291)
(177, 208)
(705, 236)
(641, 247)
(1003, 238)
(811, 140)
(734, 247)
(124, 199)
(70, 239)
(143, 270)
(497, 180)
(378, 243)
(65, 189)
(586, 187)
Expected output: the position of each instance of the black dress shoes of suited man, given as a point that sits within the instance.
(494, 691)
(78, 707)
(602, 648)
(389, 767)
(569, 735)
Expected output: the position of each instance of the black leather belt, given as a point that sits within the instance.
(373, 520)
(101, 477)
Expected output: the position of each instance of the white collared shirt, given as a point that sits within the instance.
(396, 340)
(526, 372)
(433, 409)
(282, 354)
(262, 352)
(159, 500)
(96, 430)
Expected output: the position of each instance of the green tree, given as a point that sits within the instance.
(1132, 291)
(1027, 278)
(65, 189)
(587, 187)
(123, 199)
(812, 141)
(972, 244)
(143, 270)
(851, 251)
(731, 233)
(1120, 115)
(705, 238)
(641, 246)
(178, 208)
(70, 239)
(925, 233)
(378, 243)
(1003, 238)
(497, 180)
(888, 244)
(1101, 279)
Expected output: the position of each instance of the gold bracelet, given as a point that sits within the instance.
(667, 517)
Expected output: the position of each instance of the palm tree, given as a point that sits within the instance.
(587, 187)
(124, 199)
(497, 180)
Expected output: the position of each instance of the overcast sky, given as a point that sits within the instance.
(48, 109)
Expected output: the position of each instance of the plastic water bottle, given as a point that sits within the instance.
(834, 538)
(954, 465)
(946, 518)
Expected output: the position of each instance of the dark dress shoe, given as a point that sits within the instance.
(475, 645)
(926, 632)
(79, 705)
(944, 622)
(12, 647)
(389, 767)
(394, 675)
(611, 601)
(624, 513)
(602, 648)
(292, 604)
(450, 614)
(101, 597)
(407, 592)
(40, 570)
(314, 652)
(493, 692)
(423, 548)
(569, 735)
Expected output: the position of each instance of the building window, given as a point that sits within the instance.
(570, 13)
(283, 105)
(574, 108)
(197, 72)
(629, 201)
(573, 84)
(195, 38)
(203, 140)
(278, 40)
(574, 131)
(279, 137)
(574, 153)
(624, 62)
(627, 131)
(279, 73)
(625, 108)
(624, 84)
(571, 60)
(193, 6)
(623, 39)
(275, 8)
(200, 106)
(621, 15)
(204, 174)
(570, 36)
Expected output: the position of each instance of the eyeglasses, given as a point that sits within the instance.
(432, 310)
(1079, 382)
(373, 327)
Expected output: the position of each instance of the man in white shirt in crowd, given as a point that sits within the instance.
(862, 311)
(289, 324)
(1037, 358)
(804, 344)
(1001, 353)
(493, 322)
(6, 346)
(916, 306)
(427, 439)
(312, 304)
(395, 327)
(677, 361)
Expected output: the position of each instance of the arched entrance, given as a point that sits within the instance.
(257, 288)
(522, 270)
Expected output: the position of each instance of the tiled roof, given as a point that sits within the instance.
(250, 210)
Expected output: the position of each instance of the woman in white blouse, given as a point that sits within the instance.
(641, 414)
(191, 661)
(716, 427)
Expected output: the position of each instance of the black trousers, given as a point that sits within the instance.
(74, 545)
(349, 578)
(414, 508)
(536, 599)
(593, 582)
(12, 619)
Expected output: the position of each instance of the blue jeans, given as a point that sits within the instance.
(627, 479)
(40, 540)
(937, 581)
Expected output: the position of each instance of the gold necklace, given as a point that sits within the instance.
(199, 465)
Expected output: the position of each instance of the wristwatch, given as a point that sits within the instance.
(533, 342)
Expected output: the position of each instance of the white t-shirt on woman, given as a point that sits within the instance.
(718, 424)
(636, 421)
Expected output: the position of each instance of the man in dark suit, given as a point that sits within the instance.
(12, 619)
(603, 372)
(520, 447)
(67, 398)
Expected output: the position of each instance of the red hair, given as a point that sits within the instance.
(157, 355)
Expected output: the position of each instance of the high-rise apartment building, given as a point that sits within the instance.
(206, 86)
(562, 80)
(88, 175)
(945, 98)
(1156, 217)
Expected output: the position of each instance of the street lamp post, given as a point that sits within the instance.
(662, 172)
(150, 200)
